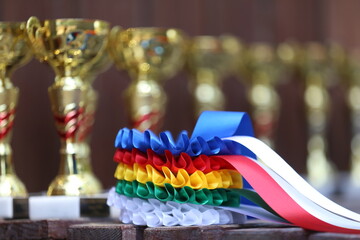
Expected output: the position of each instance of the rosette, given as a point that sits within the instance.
(197, 180)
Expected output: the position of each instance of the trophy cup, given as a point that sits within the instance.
(209, 60)
(72, 47)
(260, 68)
(315, 66)
(14, 52)
(150, 55)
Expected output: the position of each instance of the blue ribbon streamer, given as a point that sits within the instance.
(205, 139)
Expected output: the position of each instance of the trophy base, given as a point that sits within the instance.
(68, 207)
(14, 208)
(74, 185)
(56, 207)
(11, 185)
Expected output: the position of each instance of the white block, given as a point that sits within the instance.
(114, 212)
(6, 207)
(60, 207)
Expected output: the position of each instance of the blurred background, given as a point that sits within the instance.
(35, 141)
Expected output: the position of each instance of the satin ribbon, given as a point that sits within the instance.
(154, 213)
(289, 198)
(197, 180)
(215, 197)
(276, 182)
(202, 163)
(287, 202)
(206, 138)
(284, 170)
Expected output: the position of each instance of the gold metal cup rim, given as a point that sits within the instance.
(12, 24)
(218, 43)
(206, 41)
(171, 33)
(86, 22)
(213, 37)
(152, 29)
(60, 20)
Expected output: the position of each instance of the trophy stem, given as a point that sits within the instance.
(69, 162)
(353, 100)
(320, 170)
(147, 101)
(74, 106)
(10, 184)
(6, 165)
(265, 106)
(207, 91)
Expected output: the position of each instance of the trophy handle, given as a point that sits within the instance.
(34, 31)
(32, 25)
(113, 36)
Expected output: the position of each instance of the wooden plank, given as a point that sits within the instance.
(180, 232)
(35, 230)
(95, 231)
(265, 233)
(333, 236)
(231, 231)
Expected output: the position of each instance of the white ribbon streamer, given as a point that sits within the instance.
(306, 196)
(256, 212)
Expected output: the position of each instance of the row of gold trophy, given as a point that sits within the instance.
(261, 68)
(79, 49)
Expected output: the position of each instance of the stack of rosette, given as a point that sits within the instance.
(203, 180)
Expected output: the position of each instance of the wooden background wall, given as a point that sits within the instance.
(36, 144)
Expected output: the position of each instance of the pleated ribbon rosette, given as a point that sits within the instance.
(219, 175)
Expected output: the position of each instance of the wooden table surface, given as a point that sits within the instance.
(112, 229)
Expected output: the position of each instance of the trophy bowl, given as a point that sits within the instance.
(14, 52)
(72, 47)
(150, 55)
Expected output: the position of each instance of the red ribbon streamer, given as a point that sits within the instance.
(277, 198)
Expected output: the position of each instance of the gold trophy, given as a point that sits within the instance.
(260, 68)
(291, 57)
(83, 149)
(150, 55)
(353, 99)
(14, 52)
(209, 60)
(72, 47)
(315, 66)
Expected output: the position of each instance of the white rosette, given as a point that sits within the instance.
(154, 213)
